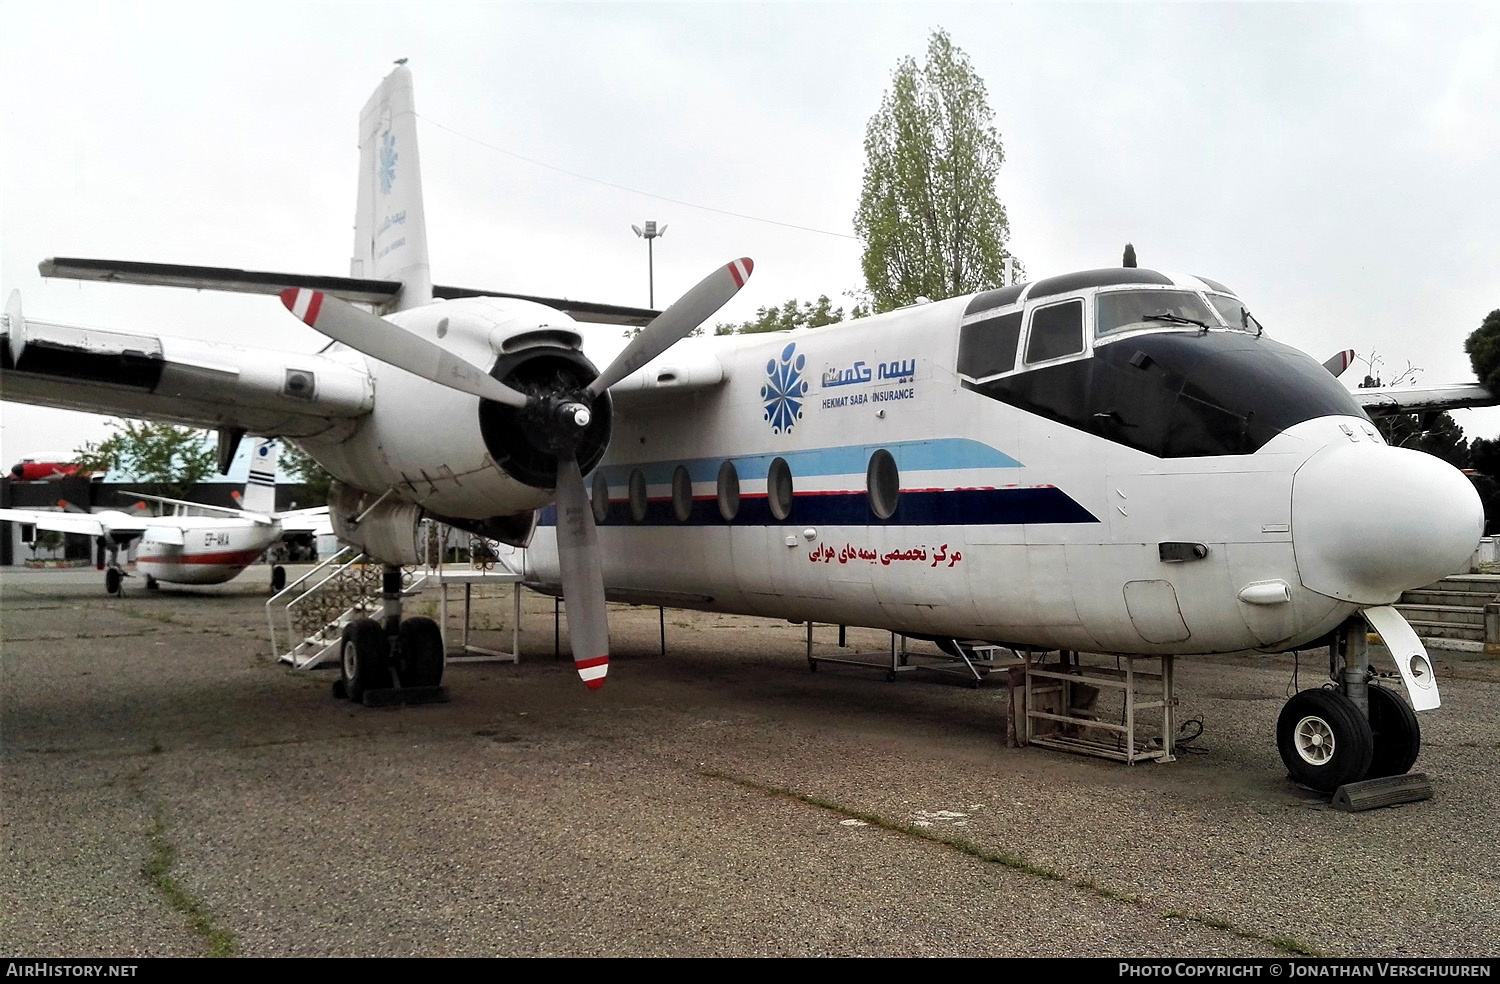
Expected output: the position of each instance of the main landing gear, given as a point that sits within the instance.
(1354, 731)
(114, 574)
(393, 659)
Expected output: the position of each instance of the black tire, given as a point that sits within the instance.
(421, 661)
(364, 661)
(278, 578)
(1324, 740)
(1398, 737)
(152, 584)
(113, 581)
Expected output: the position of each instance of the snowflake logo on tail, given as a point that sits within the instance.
(387, 162)
(784, 389)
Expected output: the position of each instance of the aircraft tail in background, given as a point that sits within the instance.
(260, 485)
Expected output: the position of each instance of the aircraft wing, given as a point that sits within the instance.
(200, 384)
(354, 289)
(87, 524)
(1384, 401)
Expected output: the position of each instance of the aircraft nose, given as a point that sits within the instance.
(1370, 521)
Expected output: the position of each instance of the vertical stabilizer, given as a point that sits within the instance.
(260, 486)
(390, 230)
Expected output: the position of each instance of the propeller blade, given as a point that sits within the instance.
(674, 324)
(582, 575)
(1340, 362)
(390, 343)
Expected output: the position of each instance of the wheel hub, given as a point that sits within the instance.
(1314, 740)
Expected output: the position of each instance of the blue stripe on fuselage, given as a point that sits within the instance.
(941, 454)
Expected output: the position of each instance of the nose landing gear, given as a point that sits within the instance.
(1331, 737)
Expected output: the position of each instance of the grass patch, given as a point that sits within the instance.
(157, 872)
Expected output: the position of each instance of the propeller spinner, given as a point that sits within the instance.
(562, 416)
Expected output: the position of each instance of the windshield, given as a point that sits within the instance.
(1235, 314)
(1124, 310)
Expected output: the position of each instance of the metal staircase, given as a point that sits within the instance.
(314, 608)
(307, 618)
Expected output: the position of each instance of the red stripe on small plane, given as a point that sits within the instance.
(241, 557)
(588, 664)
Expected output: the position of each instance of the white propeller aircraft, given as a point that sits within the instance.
(185, 548)
(1114, 460)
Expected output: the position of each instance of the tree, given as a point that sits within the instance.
(1483, 347)
(808, 314)
(306, 470)
(929, 216)
(176, 457)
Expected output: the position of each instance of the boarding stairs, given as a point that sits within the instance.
(306, 619)
(1450, 614)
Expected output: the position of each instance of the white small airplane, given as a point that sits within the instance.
(185, 548)
(1115, 460)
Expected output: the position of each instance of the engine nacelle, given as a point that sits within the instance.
(392, 531)
(476, 464)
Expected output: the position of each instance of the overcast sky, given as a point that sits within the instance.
(1336, 164)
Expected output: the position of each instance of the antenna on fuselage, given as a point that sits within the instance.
(1129, 256)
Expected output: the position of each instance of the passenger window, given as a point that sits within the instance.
(637, 496)
(779, 489)
(682, 494)
(601, 497)
(883, 483)
(988, 347)
(729, 491)
(1056, 331)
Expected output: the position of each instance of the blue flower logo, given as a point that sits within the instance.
(784, 389)
(387, 162)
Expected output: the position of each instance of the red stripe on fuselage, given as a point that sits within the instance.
(241, 558)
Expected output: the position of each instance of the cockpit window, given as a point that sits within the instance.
(988, 347)
(1235, 314)
(1124, 310)
(1056, 331)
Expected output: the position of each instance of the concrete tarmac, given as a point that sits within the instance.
(169, 789)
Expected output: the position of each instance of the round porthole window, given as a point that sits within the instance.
(779, 488)
(682, 494)
(729, 491)
(883, 482)
(601, 497)
(637, 496)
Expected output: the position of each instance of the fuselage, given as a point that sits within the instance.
(1050, 467)
(213, 550)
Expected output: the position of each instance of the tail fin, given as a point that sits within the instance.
(390, 230)
(260, 486)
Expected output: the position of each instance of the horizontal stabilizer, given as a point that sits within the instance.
(235, 511)
(216, 278)
(355, 289)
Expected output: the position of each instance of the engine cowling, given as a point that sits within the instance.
(474, 462)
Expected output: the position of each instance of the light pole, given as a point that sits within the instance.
(649, 233)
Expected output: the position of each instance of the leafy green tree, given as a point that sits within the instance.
(1483, 347)
(175, 457)
(808, 314)
(306, 470)
(929, 216)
